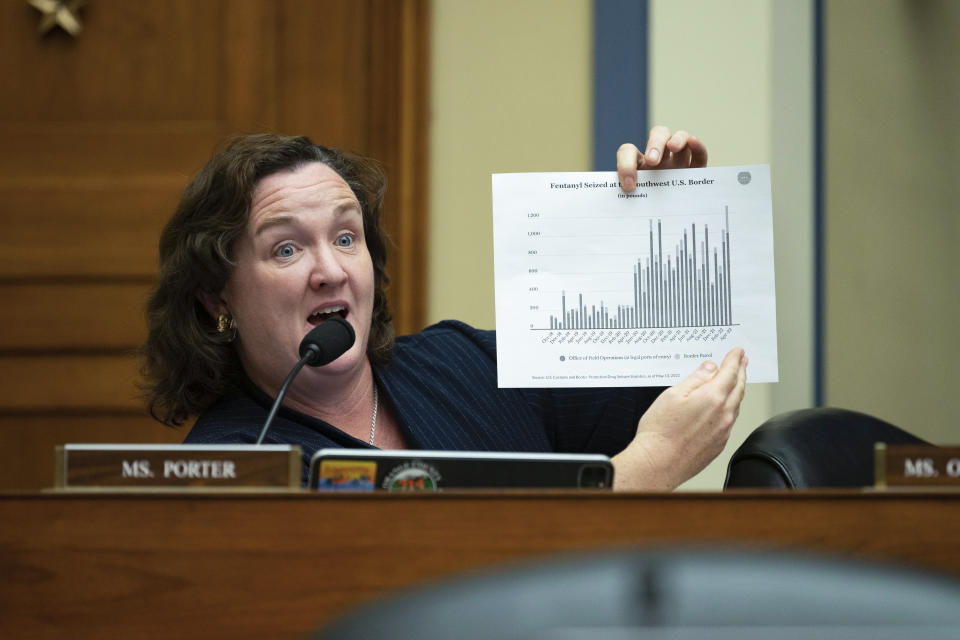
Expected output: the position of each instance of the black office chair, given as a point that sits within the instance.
(812, 448)
(679, 593)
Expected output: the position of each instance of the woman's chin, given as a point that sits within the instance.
(345, 364)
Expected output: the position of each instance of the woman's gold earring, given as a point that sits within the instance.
(226, 323)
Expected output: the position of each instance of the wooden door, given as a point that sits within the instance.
(99, 133)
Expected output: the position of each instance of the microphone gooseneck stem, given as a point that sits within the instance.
(311, 352)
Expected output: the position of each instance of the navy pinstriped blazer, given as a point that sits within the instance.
(442, 387)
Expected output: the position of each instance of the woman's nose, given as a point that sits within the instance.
(327, 269)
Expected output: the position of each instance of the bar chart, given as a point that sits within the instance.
(687, 287)
(596, 286)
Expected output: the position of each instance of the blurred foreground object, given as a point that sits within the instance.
(673, 593)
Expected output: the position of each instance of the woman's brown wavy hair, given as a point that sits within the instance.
(187, 364)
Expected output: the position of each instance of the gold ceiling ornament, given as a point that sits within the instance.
(59, 13)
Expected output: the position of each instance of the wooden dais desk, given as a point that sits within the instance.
(278, 565)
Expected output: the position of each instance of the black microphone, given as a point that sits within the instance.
(322, 345)
(327, 341)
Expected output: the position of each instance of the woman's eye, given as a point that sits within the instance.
(285, 251)
(345, 240)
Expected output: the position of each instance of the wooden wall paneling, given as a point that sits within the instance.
(249, 78)
(32, 438)
(57, 315)
(324, 48)
(38, 154)
(414, 146)
(399, 103)
(81, 382)
(72, 228)
(147, 61)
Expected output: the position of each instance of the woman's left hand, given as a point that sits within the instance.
(679, 150)
(685, 428)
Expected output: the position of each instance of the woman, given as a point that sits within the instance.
(276, 234)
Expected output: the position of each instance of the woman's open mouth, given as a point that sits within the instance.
(325, 313)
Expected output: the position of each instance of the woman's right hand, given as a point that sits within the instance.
(685, 428)
(665, 150)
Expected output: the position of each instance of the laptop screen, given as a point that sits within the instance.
(414, 470)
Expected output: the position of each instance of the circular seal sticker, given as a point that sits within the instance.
(744, 177)
(412, 476)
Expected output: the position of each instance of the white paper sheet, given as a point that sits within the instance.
(596, 287)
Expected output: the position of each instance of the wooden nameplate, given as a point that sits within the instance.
(161, 466)
(916, 466)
